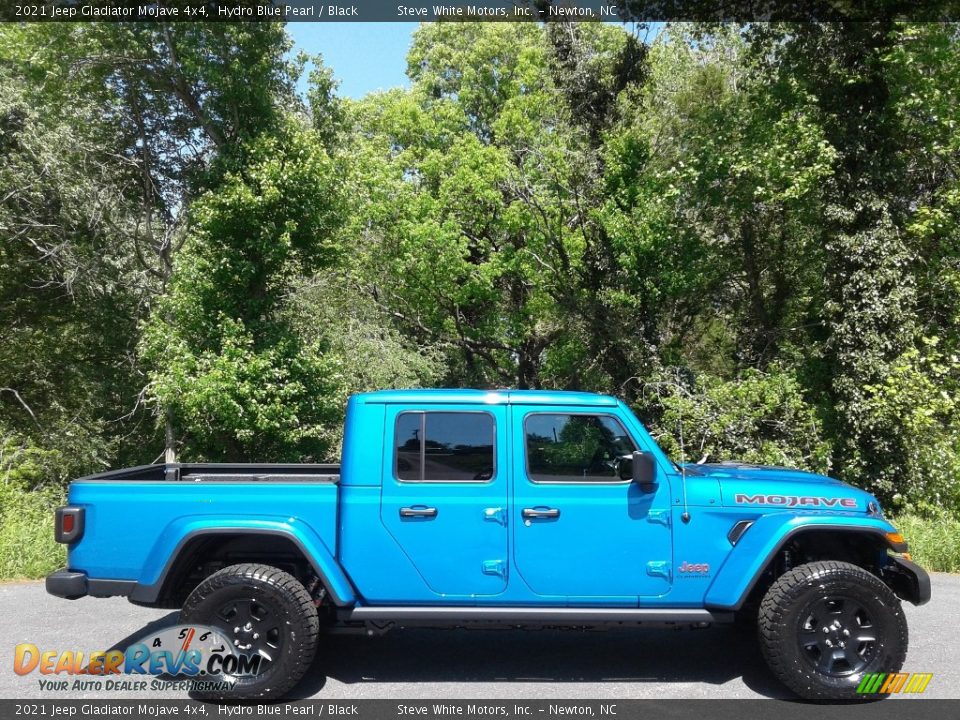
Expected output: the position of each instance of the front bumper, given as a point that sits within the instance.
(908, 580)
(72, 585)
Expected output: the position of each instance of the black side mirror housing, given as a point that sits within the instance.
(644, 468)
(641, 468)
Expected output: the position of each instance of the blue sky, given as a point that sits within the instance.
(364, 56)
(367, 56)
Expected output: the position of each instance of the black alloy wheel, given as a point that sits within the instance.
(253, 625)
(837, 635)
(264, 613)
(824, 625)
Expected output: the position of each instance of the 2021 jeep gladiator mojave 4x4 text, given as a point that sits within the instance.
(519, 508)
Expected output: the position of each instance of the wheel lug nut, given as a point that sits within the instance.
(846, 633)
(237, 629)
(256, 636)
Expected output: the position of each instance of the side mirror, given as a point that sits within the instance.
(644, 469)
(641, 468)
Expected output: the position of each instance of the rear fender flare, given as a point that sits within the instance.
(176, 536)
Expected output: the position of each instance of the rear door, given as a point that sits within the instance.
(444, 496)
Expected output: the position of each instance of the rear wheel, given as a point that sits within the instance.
(824, 625)
(263, 612)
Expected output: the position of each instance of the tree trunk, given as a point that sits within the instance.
(170, 450)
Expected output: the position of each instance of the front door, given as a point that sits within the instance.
(579, 530)
(444, 497)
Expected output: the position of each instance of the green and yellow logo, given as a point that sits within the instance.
(889, 683)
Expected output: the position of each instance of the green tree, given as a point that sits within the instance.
(479, 201)
(759, 417)
(68, 307)
(239, 383)
(880, 173)
(110, 131)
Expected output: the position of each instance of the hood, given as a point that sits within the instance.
(746, 485)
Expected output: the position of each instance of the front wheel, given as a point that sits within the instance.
(264, 612)
(824, 625)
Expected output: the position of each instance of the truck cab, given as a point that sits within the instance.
(458, 507)
(525, 492)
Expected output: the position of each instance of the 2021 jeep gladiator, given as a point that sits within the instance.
(524, 508)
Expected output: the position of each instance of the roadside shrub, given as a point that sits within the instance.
(758, 417)
(934, 541)
(918, 403)
(27, 547)
(52, 458)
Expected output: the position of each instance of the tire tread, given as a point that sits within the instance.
(777, 602)
(293, 592)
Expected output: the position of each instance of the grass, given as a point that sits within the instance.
(27, 547)
(934, 543)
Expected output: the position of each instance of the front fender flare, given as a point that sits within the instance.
(175, 537)
(757, 546)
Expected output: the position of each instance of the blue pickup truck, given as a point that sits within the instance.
(455, 508)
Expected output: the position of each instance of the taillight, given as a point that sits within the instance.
(68, 524)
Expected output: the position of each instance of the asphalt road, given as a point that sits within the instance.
(718, 662)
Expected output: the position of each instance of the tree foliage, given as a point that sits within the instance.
(748, 232)
(236, 379)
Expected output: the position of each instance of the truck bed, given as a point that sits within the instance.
(137, 519)
(222, 472)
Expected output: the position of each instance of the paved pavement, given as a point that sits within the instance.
(717, 662)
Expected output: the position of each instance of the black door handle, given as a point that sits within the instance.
(540, 514)
(424, 512)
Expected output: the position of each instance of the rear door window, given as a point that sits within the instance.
(444, 447)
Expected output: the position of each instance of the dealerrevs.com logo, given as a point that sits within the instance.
(184, 652)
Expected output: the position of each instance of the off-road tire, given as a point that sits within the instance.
(834, 590)
(288, 609)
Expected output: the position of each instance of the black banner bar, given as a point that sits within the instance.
(892, 709)
(477, 11)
